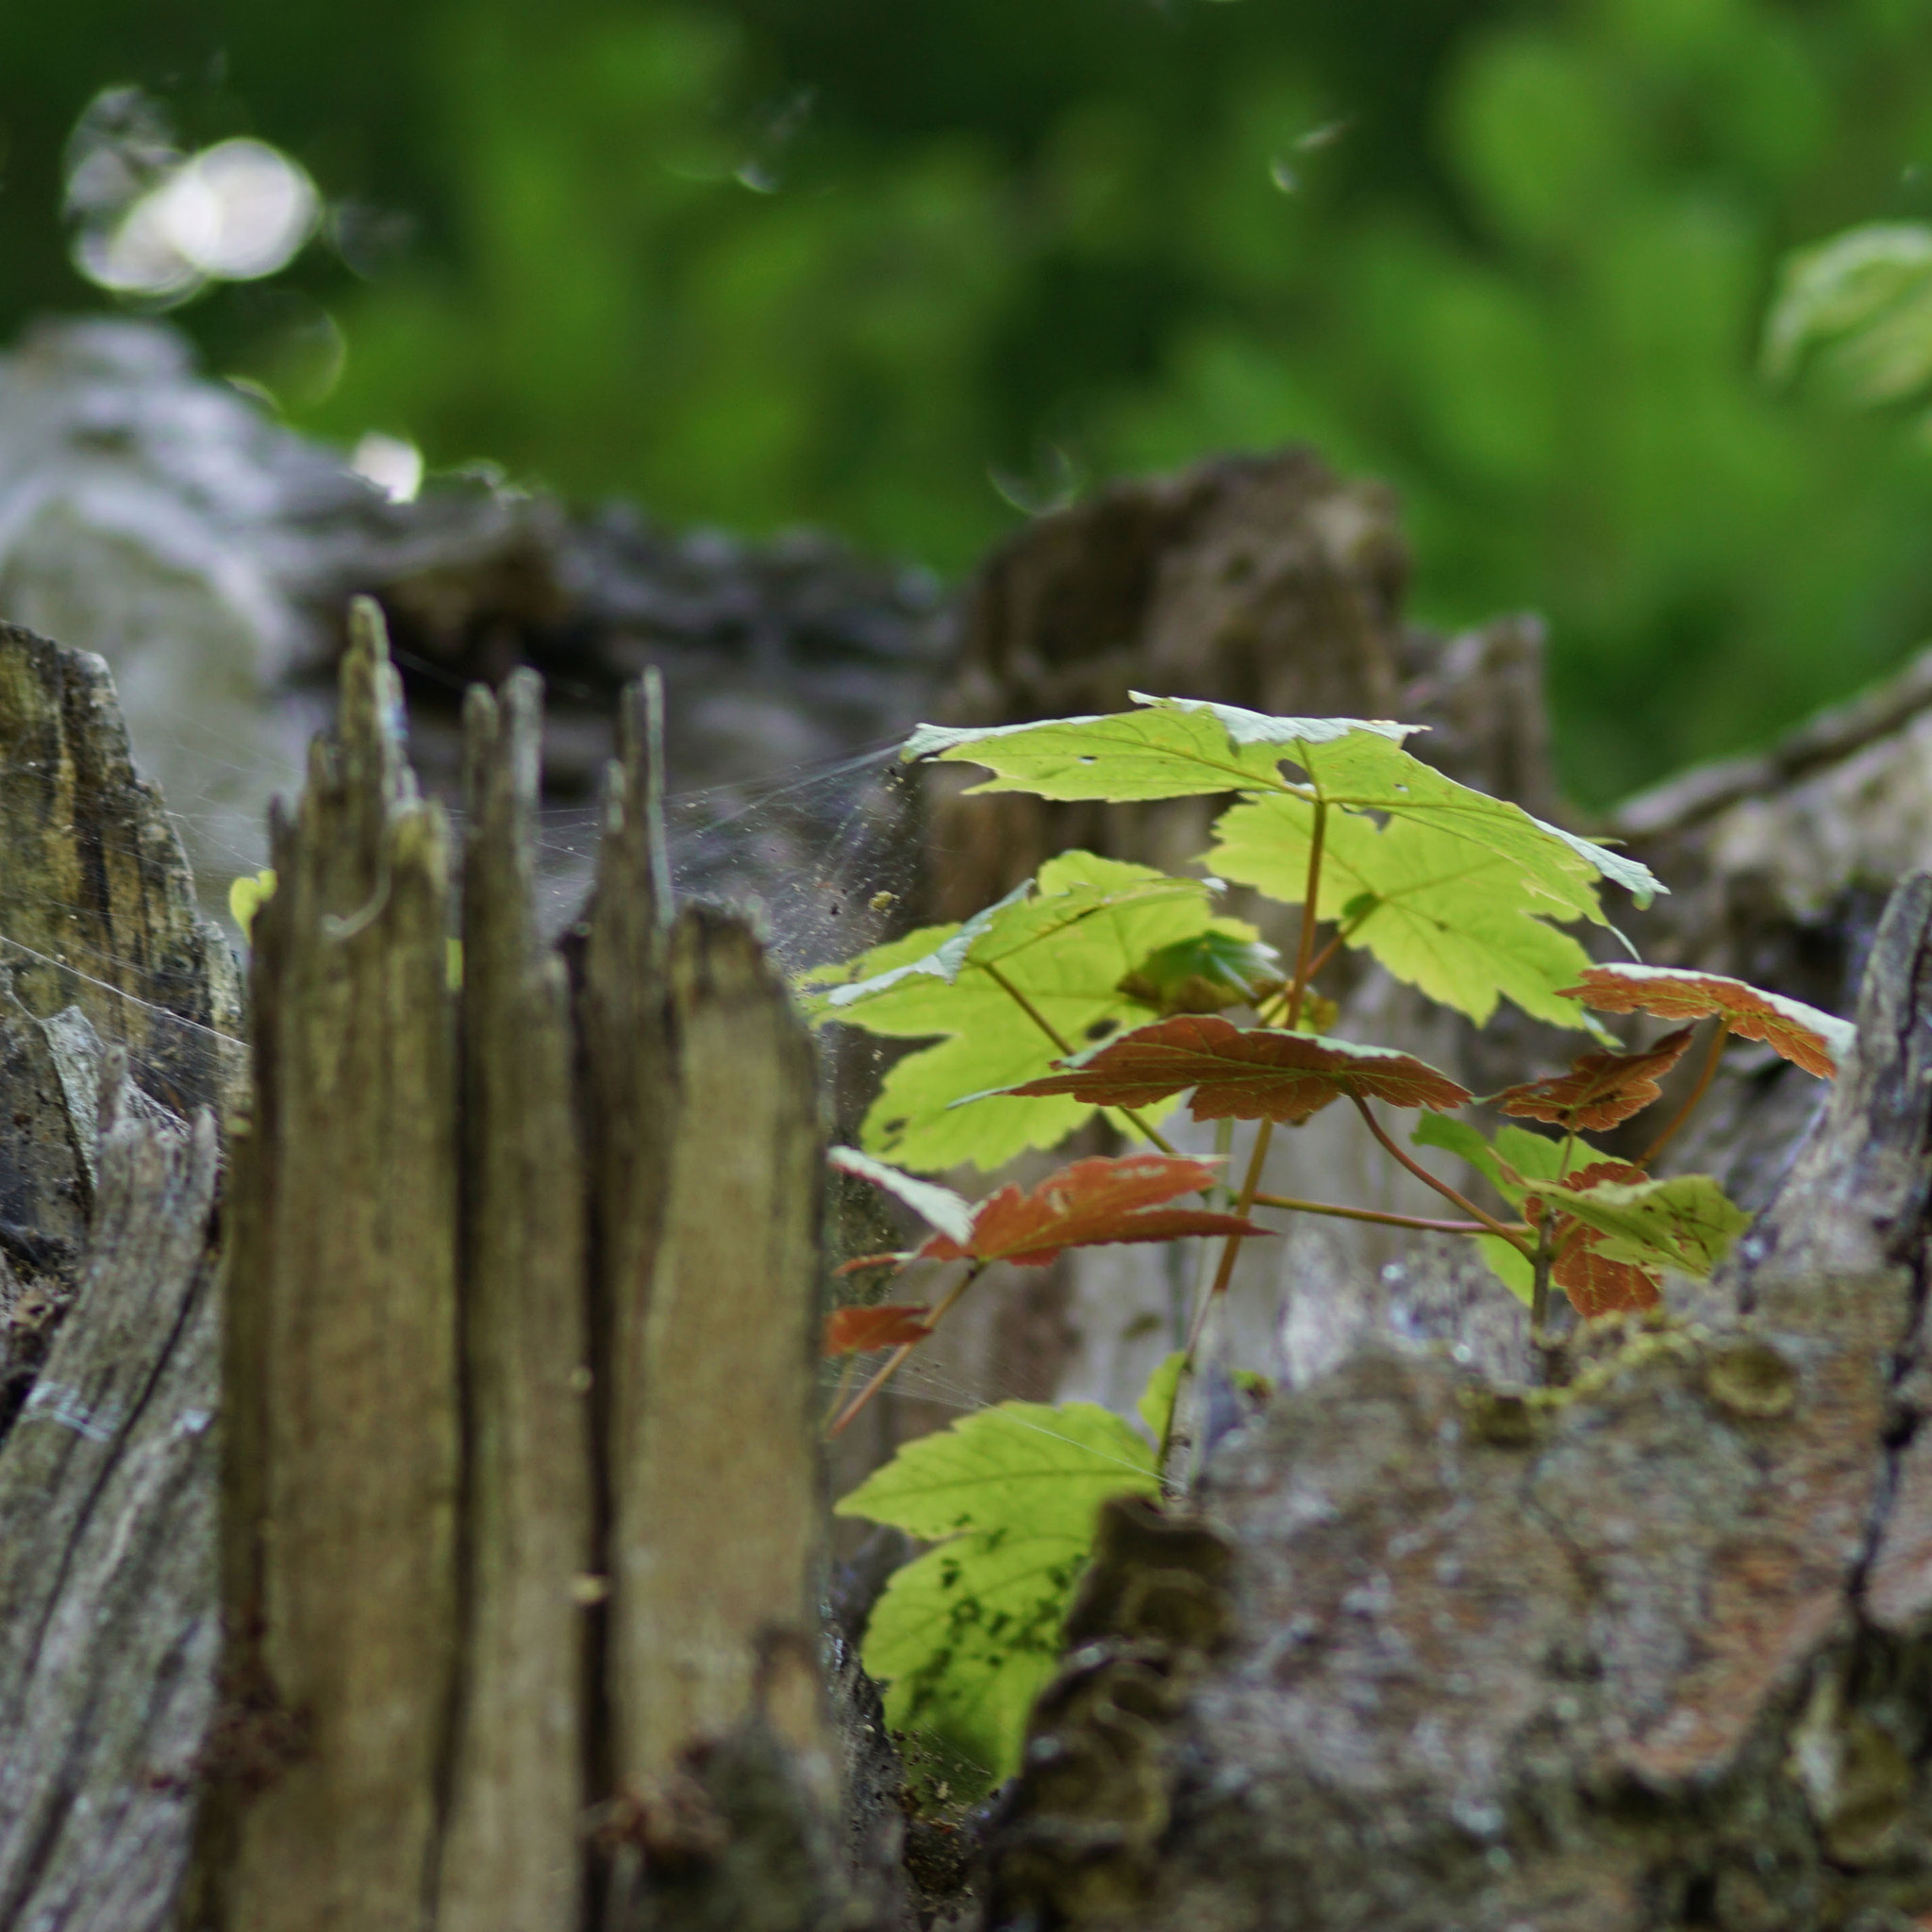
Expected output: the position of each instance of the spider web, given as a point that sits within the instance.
(823, 855)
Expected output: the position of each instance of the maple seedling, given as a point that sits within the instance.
(1102, 989)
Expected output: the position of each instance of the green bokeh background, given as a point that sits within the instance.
(906, 271)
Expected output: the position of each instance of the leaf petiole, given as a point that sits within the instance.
(1374, 1214)
(896, 1360)
(1490, 1225)
(1706, 1074)
(1143, 1127)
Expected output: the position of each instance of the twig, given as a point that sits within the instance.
(1066, 1046)
(1697, 1093)
(894, 1362)
(1374, 1214)
(1441, 1187)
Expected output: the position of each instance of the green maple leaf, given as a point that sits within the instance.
(1687, 1223)
(1459, 921)
(1065, 943)
(965, 1636)
(1183, 747)
(1167, 751)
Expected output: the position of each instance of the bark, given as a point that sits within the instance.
(109, 1632)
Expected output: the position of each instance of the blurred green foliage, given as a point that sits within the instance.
(910, 271)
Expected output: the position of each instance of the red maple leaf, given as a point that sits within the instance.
(857, 1331)
(1805, 1037)
(1244, 1074)
(1596, 1285)
(1088, 1205)
(1600, 1088)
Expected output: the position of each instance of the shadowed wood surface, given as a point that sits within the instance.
(96, 904)
(513, 1853)
(718, 1419)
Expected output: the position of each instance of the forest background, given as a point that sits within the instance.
(912, 273)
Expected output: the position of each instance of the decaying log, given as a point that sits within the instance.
(108, 1634)
(382, 1696)
(1643, 1653)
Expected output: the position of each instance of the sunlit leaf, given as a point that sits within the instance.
(1246, 1075)
(1065, 949)
(1600, 1090)
(1179, 747)
(1861, 303)
(1462, 924)
(855, 1332)
(1366, 770)
(1162, 752)
(1090, 1204)
(1815, 1041)
(965, 1636)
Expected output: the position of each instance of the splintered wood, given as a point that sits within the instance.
(522, 1292)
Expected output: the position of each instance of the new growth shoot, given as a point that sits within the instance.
(1100, 987)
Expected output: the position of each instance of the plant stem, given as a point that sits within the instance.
(1305, 952)
(1697, 1093)
(1066, 1047)
(1374, 1214)
(894, 1362)
(1232, 1245)
(1343, 934)
(1539, 1285)
(1490, 1225)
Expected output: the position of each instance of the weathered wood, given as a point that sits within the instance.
(109, 1635)
(715, 1522)
(97, 908)
(513, 1854)
(343, 1439)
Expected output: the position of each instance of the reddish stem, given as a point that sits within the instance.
(1491, 1223)
(1065, 1045)
(1373, 1214)
(1697, 1093)
(894, 1362)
